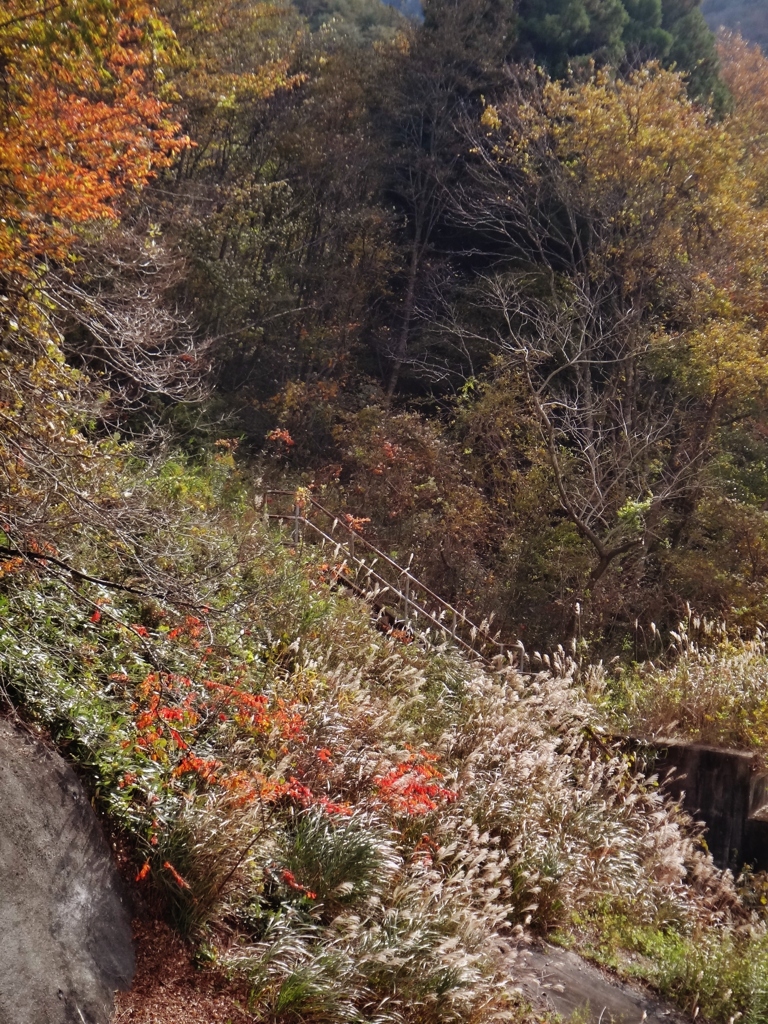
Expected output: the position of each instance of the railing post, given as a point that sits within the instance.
(476, 643)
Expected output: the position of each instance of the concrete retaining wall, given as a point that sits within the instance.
(724, 788)
(66, 940)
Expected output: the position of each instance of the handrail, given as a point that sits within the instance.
(369, 571)
(381, 554)
(459, 623)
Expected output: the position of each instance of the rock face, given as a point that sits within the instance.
(66, 939)
(561, 982)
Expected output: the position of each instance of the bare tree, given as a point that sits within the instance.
(455, 58)
(572, 303)
(117, 317)
(616, 443)
(86, 347)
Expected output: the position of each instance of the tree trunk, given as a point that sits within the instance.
(401, 351)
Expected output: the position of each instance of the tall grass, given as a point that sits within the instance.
(710, 687)
(370, 827)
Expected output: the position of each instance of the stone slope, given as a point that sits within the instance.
(64, 923)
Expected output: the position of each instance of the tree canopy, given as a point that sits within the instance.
(82, 117)
(488, 284)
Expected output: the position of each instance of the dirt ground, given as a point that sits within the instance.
(169, 989)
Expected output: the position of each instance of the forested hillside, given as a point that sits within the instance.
(359, 280)
(749, 17)
(482, 328)
(490, 283)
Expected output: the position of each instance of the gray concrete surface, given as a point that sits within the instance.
(559, 981)
(724, 788)
(65, 938)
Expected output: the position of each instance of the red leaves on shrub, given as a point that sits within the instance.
(412, 787)
(290, 880)
(181, 882)
(282, 435)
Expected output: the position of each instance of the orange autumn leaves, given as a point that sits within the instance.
(80, 120)
(173, 711)
(186, 725)
(413, 786)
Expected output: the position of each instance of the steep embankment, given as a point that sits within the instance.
(344, 824)
(64, 921)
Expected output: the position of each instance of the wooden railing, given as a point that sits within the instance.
(387, 586)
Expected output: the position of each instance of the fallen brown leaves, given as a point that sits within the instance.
(169, 989)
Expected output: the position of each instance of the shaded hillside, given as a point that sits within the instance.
(749, 17)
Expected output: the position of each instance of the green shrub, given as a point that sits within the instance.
(719, 974)
(711, 691)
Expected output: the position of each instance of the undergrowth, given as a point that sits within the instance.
(709, 687)
(362, 829)
(720, 976)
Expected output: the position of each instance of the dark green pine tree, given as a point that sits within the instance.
(558, 33)
(693, 49)
(562, 34)
(644, 34)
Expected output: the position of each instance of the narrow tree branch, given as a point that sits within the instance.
(42, 558)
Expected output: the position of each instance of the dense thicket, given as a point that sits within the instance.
(512, 316)
(491, 334)
(492, 281)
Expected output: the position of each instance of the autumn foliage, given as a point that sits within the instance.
(185, 725)
(510, 326)
(81, 119)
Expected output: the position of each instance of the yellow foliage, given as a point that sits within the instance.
(643, 164)
(664, 201)
(720, 360)
(745, 72)
(232, 53)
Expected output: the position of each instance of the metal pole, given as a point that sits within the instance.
(407, 593)
(296, 528)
